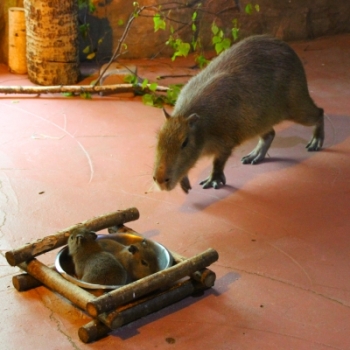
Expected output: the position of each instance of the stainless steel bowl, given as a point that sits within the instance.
(64, 264)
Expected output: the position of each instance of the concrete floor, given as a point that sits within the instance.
(282, 228)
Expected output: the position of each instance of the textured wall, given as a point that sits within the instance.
(287, 19)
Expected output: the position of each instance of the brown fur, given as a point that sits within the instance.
(138, 259)
(243, 93)
(91, 263)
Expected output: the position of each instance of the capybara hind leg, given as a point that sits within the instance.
(259, 152)
(317, 139)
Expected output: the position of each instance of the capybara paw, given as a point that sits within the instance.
(185, 184)
(315, 144)
(214, 181)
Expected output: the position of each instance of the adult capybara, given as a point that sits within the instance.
(241, 94)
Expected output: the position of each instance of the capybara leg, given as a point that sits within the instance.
(185, 184)
(217, 176)
(316, 141)
(259, 152)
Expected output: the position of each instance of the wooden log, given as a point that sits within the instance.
(93, 331)
(57, 283)
(130, 312)
(205, 276)
(150, 283)
(151, 303)
(43, 245)
(25, 282)
(79, 89)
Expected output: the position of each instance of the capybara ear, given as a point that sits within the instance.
(192, 119)
(166, 114)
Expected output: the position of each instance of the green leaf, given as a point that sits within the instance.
(159, 23)
(86, 50)
(147, 99)
(153, 86)
(202, 61)
(249, 9)
(120, 22)
(235, 33)
(173, 93)
(214, 28)
(182, 49)
(67, 94)
(92, 8)
(130, 79)
(226, 43)
(84, 29)
(193, 27)
(216, 39)
(194, 15)
(257, 8)
(91, 55)
(125, 47)
(219, 48)
(100, 41)
(144, 83)
(85, 95)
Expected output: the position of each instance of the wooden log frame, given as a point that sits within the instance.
(128, 303)
(105, 322)
(43, 245)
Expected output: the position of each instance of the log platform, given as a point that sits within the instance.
(117, 307)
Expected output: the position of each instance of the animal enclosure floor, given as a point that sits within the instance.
(282, 228)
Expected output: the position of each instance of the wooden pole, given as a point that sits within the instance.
(93, 331)
(17, 40)
(43, 245)
(78, 89)
(150, 283)
(130, 312)
(24, 282)
(57, 283)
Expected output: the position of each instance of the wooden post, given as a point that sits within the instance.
(17, 41)
(150, 283)
(52, 41)
(28, 251)
(93, 331)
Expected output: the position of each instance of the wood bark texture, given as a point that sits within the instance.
(52, 41)
(160, 279)
(79, 89)
(57, 283)
(43, 245)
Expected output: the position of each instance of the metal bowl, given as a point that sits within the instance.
(64, 264)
